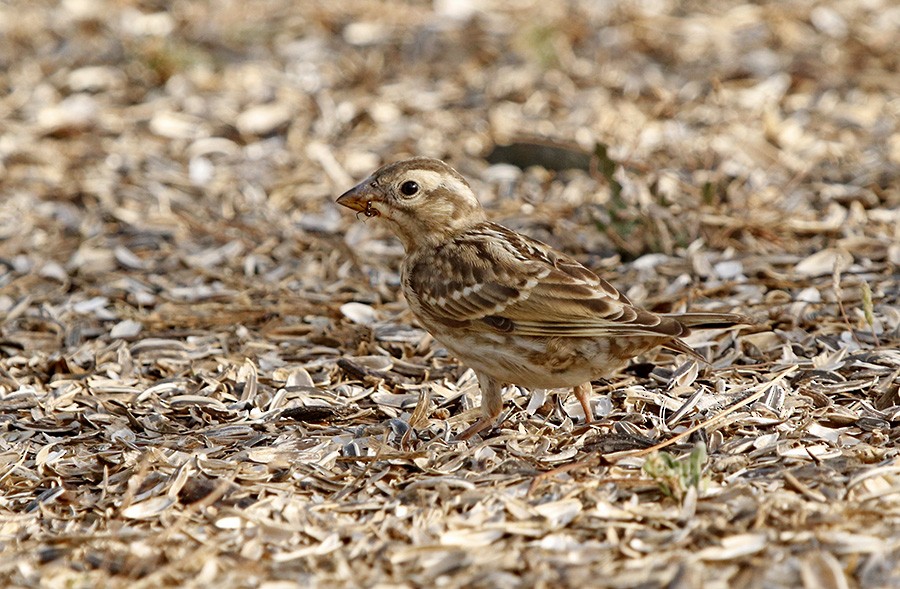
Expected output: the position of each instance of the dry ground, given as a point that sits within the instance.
(207, 377)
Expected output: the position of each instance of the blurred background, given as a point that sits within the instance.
(776, 112)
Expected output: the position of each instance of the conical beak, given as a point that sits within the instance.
(359, 198)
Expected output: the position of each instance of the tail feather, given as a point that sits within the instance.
(678, 345)
(701, 321)
(709, 320)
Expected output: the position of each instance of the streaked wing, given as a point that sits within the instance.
(519, 285)
(474, 276)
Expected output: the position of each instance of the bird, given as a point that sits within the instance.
(513, 309)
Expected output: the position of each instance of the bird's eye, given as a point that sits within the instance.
(409, 188)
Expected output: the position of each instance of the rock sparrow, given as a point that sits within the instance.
(512, 308)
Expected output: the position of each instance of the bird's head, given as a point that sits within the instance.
(424, 201)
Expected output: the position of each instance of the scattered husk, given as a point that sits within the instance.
(208, 376)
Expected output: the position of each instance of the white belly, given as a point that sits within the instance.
(532, 362)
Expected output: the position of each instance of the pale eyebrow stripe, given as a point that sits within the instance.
(429, 179)
(458, 187)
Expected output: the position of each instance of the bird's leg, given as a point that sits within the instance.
(491, 406)
(583, 394)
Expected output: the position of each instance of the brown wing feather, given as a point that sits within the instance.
(493, 272)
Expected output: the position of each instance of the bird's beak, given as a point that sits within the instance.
(359, 198)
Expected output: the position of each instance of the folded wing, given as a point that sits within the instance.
(522, 286)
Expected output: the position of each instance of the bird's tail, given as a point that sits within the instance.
(709, 320)
(701, 321)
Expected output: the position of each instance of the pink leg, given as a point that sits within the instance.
(491, 406)
(583, 394)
